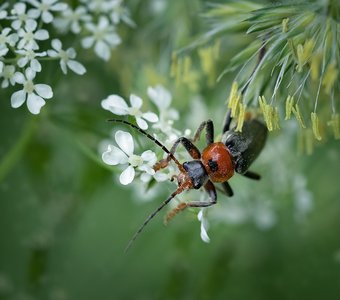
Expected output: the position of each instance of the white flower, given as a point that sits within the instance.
(28, 36)
(20, 16)
(66, 58)
(124, 155)
(45, 7)
(118, 106)
(204, 225)
(71, 19)
(3, 12)
(29, 56)
(8, 75)
(162, 99)
(104, 38)
(99, 6)
(33, 93)
(1, 67)
(118, 12)
(7, 39)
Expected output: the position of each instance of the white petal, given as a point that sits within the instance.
(113, 39)
(136, 101)
(125, 141)
(18, 98)
(19, 78)
(71, 53)
(30, 25)
(47, 17)
(33, 13)
(87, 42)
(151, 117)
(76, 67)
(63, 66)
(30, 74)
(22, 61)
(148, 155)
(160, 96)
(142, 124)
(35, 103)
(56, 44)
(41, 35)
(114, 156)
(102, 50)
(44, 90)
(115, 104)
(52, 53)
(59, 7)
(35, 65)
(127, 176)
(159, 177)
(147, 169)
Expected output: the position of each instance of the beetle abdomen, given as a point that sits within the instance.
(245, 146)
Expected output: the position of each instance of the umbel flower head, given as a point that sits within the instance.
(124, 155)
(26, 27)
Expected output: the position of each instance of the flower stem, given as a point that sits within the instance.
(14, 154)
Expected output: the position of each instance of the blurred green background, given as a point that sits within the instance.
(65, 220)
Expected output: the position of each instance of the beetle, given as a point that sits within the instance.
(216, 164)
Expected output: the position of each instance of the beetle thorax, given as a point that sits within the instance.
(218, 162)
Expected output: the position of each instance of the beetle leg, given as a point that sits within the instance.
(210, 189)
(227, 189)
(209, 133)
(252, 175)
(227, 121)
(188, 145)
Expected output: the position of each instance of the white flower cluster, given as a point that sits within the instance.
(96, 22)
(25, 28)
(138, 168)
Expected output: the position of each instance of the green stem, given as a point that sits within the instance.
(14, 154)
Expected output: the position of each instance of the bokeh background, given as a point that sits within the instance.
(65, 219)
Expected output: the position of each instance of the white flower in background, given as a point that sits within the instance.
(119, 12)
(118, 106)
(103, 36)
(20, 16)
(162, 99)
(44, 8)
(33, 93)
(99, 6)
(7, 39)
(204, 225)
(124, 155)
(3, 12)
(72, 19)
(8, 75)
(1, 67)
(28, 36)
(29, 56)
(66, 58)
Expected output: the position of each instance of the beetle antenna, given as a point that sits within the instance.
(158, 143)
(150, 217)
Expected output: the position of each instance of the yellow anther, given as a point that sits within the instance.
(304, 53)
(289, 106)
(315, 66)
(233, 94)
(241, 116)
(331, 75)
(315, 126)
(285, 25)
(335, 124)
(298, 116)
